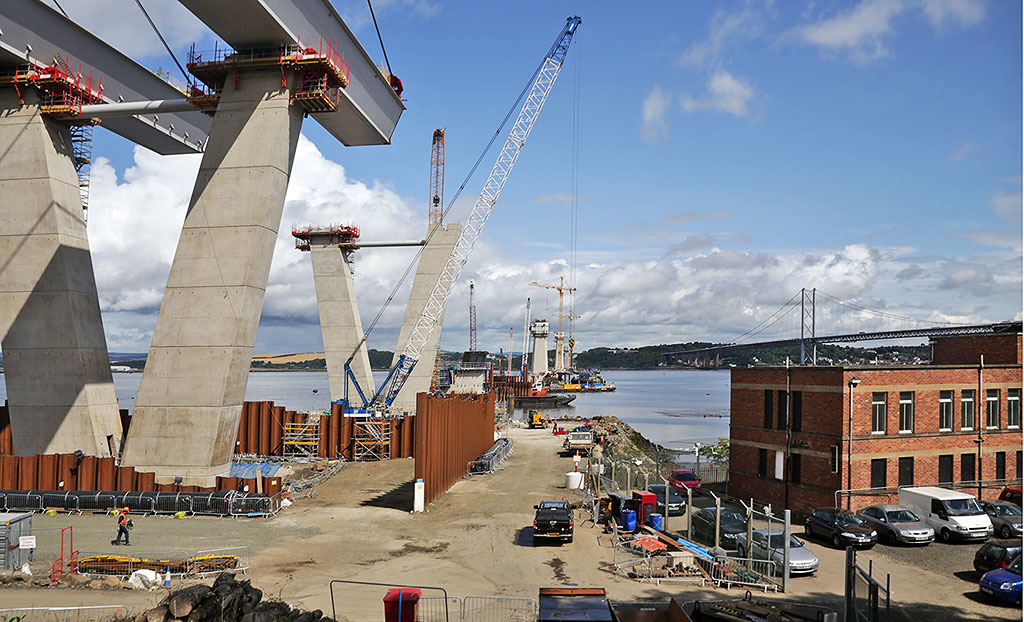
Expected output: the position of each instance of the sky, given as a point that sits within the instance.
(718, 157)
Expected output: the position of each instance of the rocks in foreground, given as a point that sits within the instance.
(228, 600)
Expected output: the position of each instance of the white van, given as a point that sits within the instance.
(952, 514)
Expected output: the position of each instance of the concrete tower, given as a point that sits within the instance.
(540, 329)
(559, 350)
(57, 370)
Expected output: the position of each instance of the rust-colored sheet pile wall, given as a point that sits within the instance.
(6, 442)
(450, 431)
(261, 432)
(66, 472)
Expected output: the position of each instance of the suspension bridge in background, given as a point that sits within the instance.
(812, 316)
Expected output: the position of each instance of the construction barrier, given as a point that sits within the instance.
(218, 503)
(178, 563)
(490, 459)
(450, 431)
(64, 614)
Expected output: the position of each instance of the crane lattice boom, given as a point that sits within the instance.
(436, 179)
(436, 303)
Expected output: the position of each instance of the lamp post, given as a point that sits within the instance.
(854, 381)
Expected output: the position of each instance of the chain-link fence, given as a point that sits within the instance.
(867, 600)
(220, 503)
(63, 614)
(357, 600)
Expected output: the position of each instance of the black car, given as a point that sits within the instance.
(842, 527)
(676, 502)
(553, 521)
(996, 554)
(732, 524)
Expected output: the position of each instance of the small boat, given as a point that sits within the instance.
(584, 381)
(543, 401)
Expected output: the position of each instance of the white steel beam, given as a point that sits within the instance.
(31, 31)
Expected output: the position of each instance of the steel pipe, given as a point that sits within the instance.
(124, 109)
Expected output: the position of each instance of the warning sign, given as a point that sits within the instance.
(27, 542)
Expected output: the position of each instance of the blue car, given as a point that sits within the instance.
(1003, 584)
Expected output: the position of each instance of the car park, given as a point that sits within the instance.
(1011, 494)
(683, 479)
(952, 514)
(768, 544)
(996, 554)
(1003, 584)
(676, 502)
(553, 521)
(731, 525)
(1005, 517)
(842, 528)
(895, 524)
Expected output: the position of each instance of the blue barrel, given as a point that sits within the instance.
(656, 522)
(629, 520)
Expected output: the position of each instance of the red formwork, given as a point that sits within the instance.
(145, 482)
(276, 431)
(448, 433)
(241, 443)
(67, 472)
(125, 478)
(87, 468)
(6, 440)
(253, 442)
(106, 474)
(46, 472)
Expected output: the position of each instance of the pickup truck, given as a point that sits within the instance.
(581, 441)
(553, 521)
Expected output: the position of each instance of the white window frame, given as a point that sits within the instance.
(885, 412)
(988, 401)
(1013, 407)
(780, 459)
(974, 412)
(907, 402)
(948, 401)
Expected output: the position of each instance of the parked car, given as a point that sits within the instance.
(996, 554)
(732, 524)
(683, 479)
(895, 523)
(553, 521)
(1003, 584)
(1011, 494)
(676, 502)
(1005, 517)
(842, 527)
(952, 514)
(768, 544)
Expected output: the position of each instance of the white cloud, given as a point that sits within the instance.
(724, 93)
(130, 33)
(1007, 207)
(655, 127)
(862, 31)
(724, 29)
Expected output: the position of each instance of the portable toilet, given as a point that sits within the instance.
(648, 504)
(12, 527)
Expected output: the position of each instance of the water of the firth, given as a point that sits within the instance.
(674, 408)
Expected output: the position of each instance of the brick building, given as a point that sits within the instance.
(793, 442)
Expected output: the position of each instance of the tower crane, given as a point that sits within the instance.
(472, 319)
(559, 336)
(534, 101)
(436, 179)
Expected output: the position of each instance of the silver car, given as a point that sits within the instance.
(895, 524)
(768, 544)
(1006, 517)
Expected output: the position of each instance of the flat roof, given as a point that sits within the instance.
(31, 31)
(369, 108)
(938, 493)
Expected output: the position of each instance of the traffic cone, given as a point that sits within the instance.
(167, 578)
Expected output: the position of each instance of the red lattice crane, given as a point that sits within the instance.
(436, 179)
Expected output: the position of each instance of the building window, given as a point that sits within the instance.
(991, 408)
(946, 469)
(878, 473)
(907, 471)
(878, 412)
(798, 410)
(768, 397)
(1000, 465)
(833, 459)
(967, 468)
(762, 462)
(780, 462)
(794, 468)
(1013, 410)
(906, 412)
(783, 411)
(945, 411)
(1018, 464)
(967, 409)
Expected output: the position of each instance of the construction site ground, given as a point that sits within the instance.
(475, 540)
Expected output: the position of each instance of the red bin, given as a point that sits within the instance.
(402, 605)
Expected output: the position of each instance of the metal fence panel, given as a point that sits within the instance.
(64, 614)
(498, 609)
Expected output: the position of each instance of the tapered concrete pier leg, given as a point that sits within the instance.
(435, 255)
(340, 324)
(56, 366)
(190, 399)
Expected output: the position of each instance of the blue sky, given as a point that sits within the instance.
(729, 154)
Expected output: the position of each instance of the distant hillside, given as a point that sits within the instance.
(379, 359)
(646, 357)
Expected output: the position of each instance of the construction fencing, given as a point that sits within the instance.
(490, 459)
(867, 600)
(64, 614)
(220, 503)
(360, 599)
